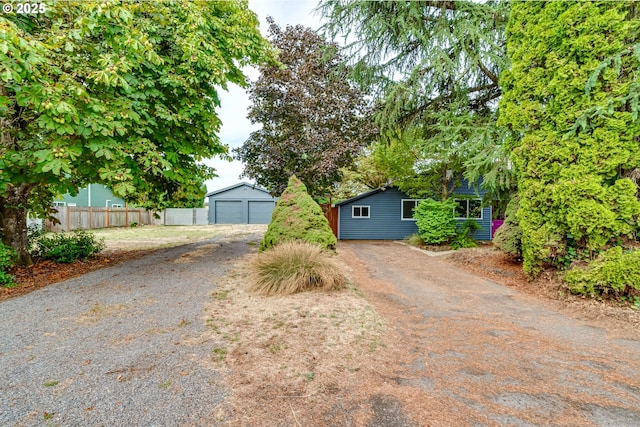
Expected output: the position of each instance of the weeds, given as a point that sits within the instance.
(219, 354)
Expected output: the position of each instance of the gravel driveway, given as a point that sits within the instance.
(119, 346)
(474, 352)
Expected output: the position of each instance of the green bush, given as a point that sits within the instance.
(463, 237)
(614, 270)
(298, 217)
(7, 260)
(295, 267)
(67, 247)
(435, 220)
(508, 237)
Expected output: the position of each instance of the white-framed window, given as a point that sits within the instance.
(468, 209)
(59, 203)
(407, 207)
(72, 205)
(360, 211)
(116, 205)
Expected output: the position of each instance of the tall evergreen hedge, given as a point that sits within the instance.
(573, 149)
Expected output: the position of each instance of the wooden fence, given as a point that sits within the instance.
(331, 212)
(77, 217)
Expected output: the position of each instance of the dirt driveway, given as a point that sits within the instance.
(472, 352)
(172, 339)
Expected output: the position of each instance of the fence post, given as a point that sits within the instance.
(68, 219)
(106, 217)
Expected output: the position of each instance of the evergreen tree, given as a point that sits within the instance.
(298, 217)
(571, 163)
(434, 67)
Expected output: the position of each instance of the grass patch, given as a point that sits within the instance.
(163, 236)
(295, 267)
(414, 240)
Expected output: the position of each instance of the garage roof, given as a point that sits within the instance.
(238, 185)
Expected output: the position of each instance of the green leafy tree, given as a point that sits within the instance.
(572, 165)
(434, 67)
(122, 94)
(314, 120)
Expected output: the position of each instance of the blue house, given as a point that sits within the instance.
(387, 214)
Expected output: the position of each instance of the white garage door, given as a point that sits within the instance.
(260, 212)
(228, 212)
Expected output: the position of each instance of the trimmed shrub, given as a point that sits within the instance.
(7, 260)
(614, 270)
(463, 237)
(298, 217)
(508, 238)
(67, 247)
(435, 220)
(295, 267)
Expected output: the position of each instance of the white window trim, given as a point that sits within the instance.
(402, 218)
(360, 216)
(59, 204)
(117, 205)
(466, 218)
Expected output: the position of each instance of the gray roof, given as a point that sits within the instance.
(362, 196)
(238, 185)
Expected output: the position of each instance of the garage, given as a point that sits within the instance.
(228, 212)
(240, 204)
(260, 212)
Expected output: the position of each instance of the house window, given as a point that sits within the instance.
(59, 203)
(116, 205)
(360, 212)
(408, 205)
(468, 209)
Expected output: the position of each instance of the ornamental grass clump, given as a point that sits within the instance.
(293, 267)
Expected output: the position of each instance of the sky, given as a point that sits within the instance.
(235, 103)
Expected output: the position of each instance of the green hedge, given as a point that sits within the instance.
(7, 260)
(614, 271)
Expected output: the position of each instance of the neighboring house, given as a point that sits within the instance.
(94, 195)
(240, 204)
(387, 214)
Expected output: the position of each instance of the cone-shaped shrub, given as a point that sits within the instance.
(295, 267)
(298, 217)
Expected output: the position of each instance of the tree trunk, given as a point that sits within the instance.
(13, 220)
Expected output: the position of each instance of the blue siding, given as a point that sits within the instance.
(385, 223)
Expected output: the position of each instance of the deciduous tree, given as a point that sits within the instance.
(314, 120)
(118, 93)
